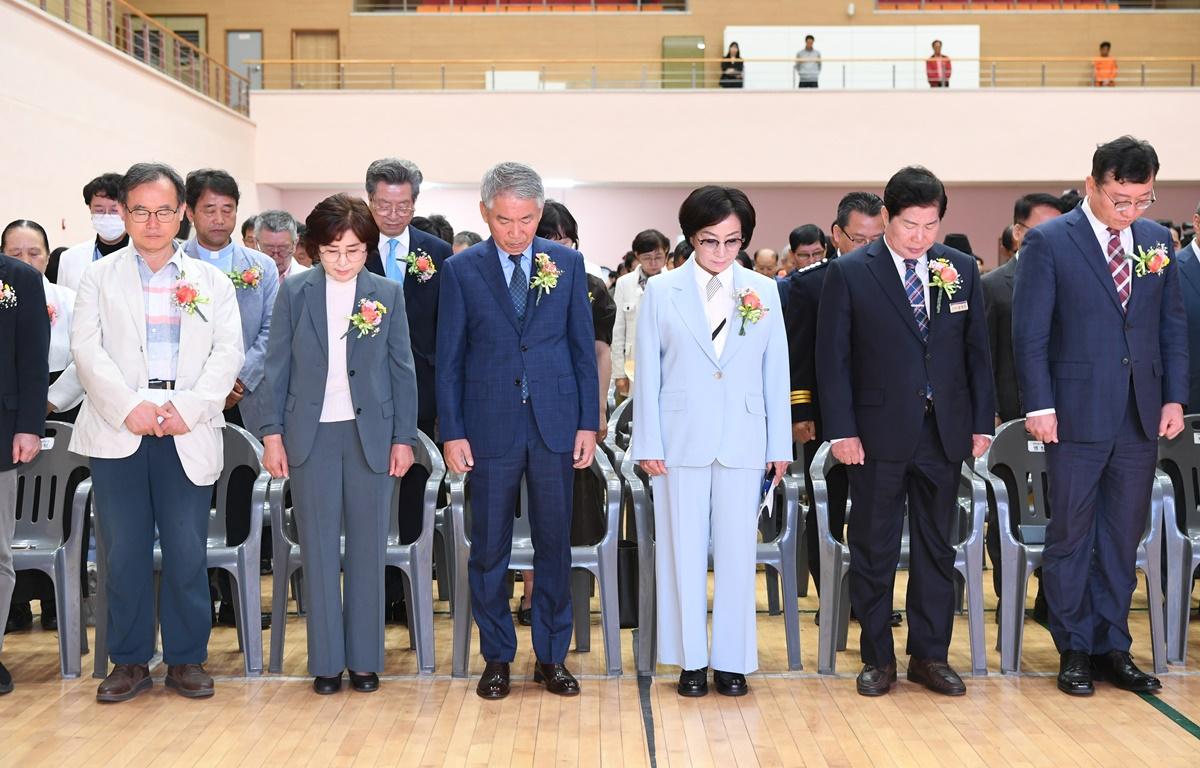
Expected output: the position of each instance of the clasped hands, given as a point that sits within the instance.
(158, 420)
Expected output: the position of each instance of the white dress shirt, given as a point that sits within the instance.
(339, 305)
(720, 307)
(1196, 246)
(402, 250)
(294, 268)
(66, 392)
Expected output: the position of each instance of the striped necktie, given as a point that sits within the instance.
(916, 297)
(1118, 266)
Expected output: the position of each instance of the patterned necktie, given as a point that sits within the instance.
(390, 267)
(916, 297)
(714, 285)
(1118, 265)
(518, 289)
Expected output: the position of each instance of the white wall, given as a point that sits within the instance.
(74, 108)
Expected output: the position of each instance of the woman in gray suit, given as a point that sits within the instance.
(342, 405)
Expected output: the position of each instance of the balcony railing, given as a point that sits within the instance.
(135, 34)
(760, 74)
(519, 6)
(975, 6)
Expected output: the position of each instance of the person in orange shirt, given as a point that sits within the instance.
(1104, 67)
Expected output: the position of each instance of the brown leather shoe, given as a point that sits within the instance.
(937, 676)
(876, 681)
(493, 683)
(189, 680)
(124, 682)
(556, 678)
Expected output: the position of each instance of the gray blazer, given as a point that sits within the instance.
(383, 384)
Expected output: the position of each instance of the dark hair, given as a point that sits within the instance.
(683, 251)
(558, 222)
(1025, 204)
(145, 173)
(1006, 239)
(806, 234)
(744, 259)
(866, 203)
(467, 238)
(424, 224)
(649, 240)
(442, 228)
(52, 263)
(1105, 44)
(711, 205)
(213, 180)
(914, 187)
(729, 52)
(1127, 159)
(105, 185)
(333, 217)
(809, 37)
(25, 224)
(936, 42)
(628, 259)
(1069, 199)
(959, 242)
(248, 224)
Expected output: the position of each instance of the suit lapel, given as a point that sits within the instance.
(314, 299)
(883, 269)
(131, 287)
(686, 299)
(487, 261)
(531, 300)
(733, 338)
(364, 289)
(1081, 233)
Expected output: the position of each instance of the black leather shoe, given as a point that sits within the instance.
(328, 685)
(896, 619)
(6, 683)
(693, 682)
(396, 613)
(876, 681)
(367, 682)
(937, 676)
(1075, 674)
(556, 678)
(525, 616)
(20, 618)
(493, 683)
(1118, 668)
(49, 616)
(730, 683)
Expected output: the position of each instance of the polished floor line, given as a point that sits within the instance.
(1172, 714)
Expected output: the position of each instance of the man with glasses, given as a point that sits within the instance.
(1100, 336)
(100, 196)
(158, 345)
(276, 234)
(650, 248)
(414, 259)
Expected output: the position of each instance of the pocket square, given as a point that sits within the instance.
(958, 306)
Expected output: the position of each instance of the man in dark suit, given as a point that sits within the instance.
(1101, 347)
(24, 383)
(906, 397)
(516, 383)
(1030, 210)
(859, 221)
(414, 259)
(1189, 271)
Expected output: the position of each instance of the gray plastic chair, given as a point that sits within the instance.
(616, 442)
(835, 566)
(1023, 537)
(778, 554)
(415, 560)
(1180, 459)
(600, 560)
(240, 561)
(39, 544)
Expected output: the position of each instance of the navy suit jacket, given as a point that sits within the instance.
(24, 357)
(1077, 351)
(483, 351)
(1189, 272)
(872, 366)
(421, 305)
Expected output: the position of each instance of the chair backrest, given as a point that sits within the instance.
(823, 462)
(42, 487)
(619, 426)
(1180, 459)
(427, 455)
(242, 452)
(1016, 464)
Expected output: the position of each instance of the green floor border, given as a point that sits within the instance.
(1175, 716)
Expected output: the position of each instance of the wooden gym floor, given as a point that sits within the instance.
(789, 718)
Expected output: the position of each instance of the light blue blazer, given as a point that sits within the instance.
(692, 408)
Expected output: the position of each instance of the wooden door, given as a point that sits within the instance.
(321, 45)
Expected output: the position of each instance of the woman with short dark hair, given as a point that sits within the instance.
(341, 401)
(732, 66)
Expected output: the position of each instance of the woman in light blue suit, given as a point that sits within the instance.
(341, 405)
(711, 412)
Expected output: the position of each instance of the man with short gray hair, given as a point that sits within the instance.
(275, 232)
(516, 378)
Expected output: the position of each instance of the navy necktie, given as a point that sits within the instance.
(518, 289)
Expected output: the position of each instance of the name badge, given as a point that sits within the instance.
(1036, 446)
(47, 443)
(958, 306)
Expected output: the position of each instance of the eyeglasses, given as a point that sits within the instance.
(653, 257)
(1125, 205)
(859, 241)
(142, 215)
(709, 245)
(351, 254)
(278, 250)
(385, 209)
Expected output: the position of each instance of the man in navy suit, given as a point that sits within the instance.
(1189, 270)
(516, 377)
(414, 259)
(906, 397)
(1101, 347)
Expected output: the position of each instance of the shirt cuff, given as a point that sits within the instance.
(1042, 412)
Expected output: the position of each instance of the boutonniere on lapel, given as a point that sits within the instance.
(367, 319)
(420, 265)
(942, 274)
(246, 278)
(52, 313)
(8, 296)
(546, 277)
(187, 297)
(750, 309)
(1151, 262)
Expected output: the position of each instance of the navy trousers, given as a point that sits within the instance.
(134, 496)
(495, 485)
(1099, 501)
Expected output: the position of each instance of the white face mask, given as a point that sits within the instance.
(109, 226)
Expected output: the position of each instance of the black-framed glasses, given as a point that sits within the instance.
(334, 255)
(710, 245)
(142, 215)
(1125, 205)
